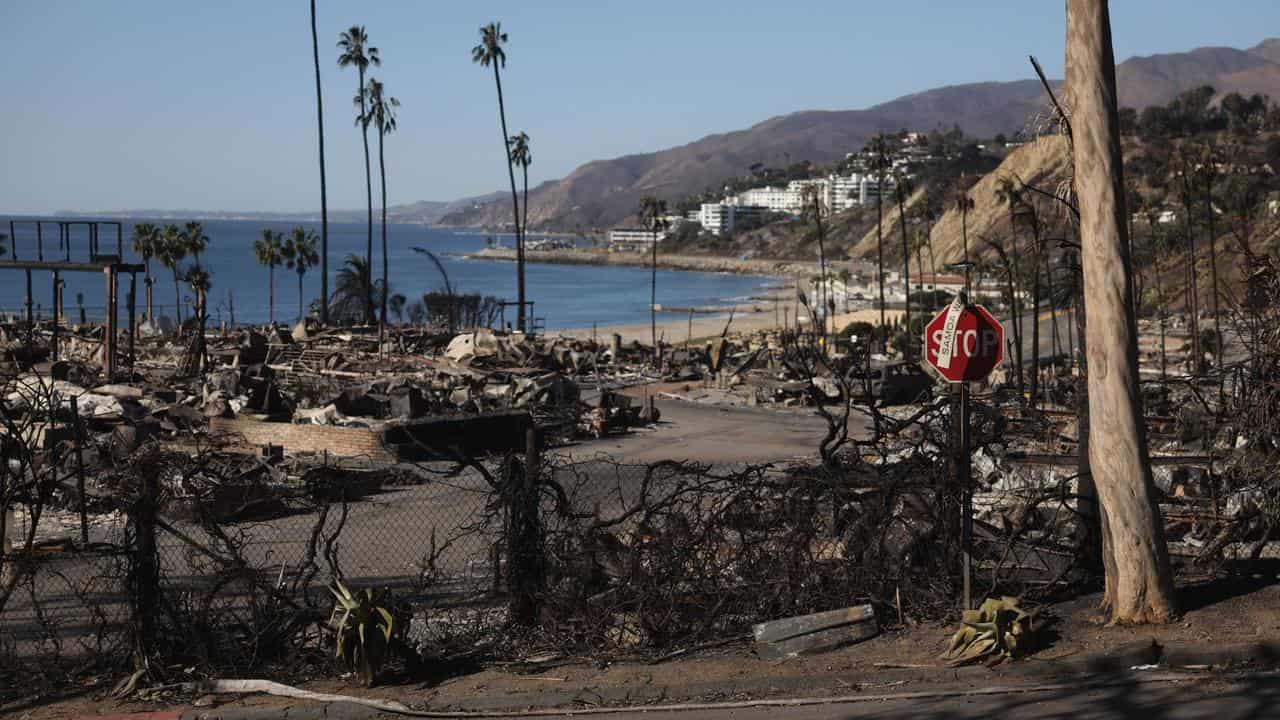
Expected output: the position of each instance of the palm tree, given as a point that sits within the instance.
(1209, 175)
(199, 280)
(653, 216)
(813, 208)
(146, 241)
(352, 292)
(1186, 194)
(300, 256)
(1009, 194)
(964, 204)
(880, 165)
(396, 303)
(324, 195)
(902, 189)
(489, 52)
(357, 52)
(196, 241)
(171, 251)
(269, 251)
(381, 112)
(1157, 246)
(521, 155)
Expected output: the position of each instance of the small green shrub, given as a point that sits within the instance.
(368, 630)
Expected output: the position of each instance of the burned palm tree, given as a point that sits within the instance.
(324, 194)
(880, 165)
(902, 190)
(653, 217)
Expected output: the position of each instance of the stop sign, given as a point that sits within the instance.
(964, 343)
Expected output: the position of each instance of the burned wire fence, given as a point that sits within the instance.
(203, 557)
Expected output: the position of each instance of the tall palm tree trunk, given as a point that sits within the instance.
(906, 279)
(1193, 289)
(1035, 325)
(300, 297)
(524, 227)
(1213, 271)
(1164, 314)
(324, 195)
(1139, 583)
(177, 298)
(151, 317)
(368, 187)
(1055, 343)
(271, 295)
(884, 330)
(1015, 305)
(822, 264)
(382, 172)
(515, 202)
(653, 300)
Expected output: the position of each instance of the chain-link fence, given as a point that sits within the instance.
(225, 560)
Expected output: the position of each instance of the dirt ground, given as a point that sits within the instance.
(1222, 619)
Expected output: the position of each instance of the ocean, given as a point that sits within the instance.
(565, 296)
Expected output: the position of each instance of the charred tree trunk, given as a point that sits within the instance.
(1139, 584)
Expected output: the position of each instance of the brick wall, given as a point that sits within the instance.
(339, 441)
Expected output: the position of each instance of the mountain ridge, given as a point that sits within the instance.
(601, 193)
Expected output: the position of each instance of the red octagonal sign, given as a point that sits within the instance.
(963, 343)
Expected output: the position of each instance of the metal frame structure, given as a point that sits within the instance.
(111, 265)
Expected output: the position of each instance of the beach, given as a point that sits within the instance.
(747, 318)
(665, 261)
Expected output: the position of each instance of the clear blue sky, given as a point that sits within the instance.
(210, 105)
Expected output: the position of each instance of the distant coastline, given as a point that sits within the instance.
(688, 263)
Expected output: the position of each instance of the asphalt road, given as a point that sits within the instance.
(711, 434)
(1155, 701)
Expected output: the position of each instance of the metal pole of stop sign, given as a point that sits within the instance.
(961, 437)
(966, 493)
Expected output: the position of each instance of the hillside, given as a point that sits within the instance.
(603, 193)
(1042, 163)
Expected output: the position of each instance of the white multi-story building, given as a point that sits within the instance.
(632, 239)
(719, 218)
(716, 218)
(773, 198)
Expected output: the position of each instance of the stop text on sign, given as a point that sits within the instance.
(968, 343)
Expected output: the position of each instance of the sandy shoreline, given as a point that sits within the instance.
(672, 328)
(688, 263)
(748, 318)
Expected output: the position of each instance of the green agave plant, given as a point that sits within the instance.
(366, 631)
(995, 632)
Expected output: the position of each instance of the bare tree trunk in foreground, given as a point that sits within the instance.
(1139, 584)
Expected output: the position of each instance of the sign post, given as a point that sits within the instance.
(963, 343)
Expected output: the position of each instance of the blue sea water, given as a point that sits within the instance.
(566, 296)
